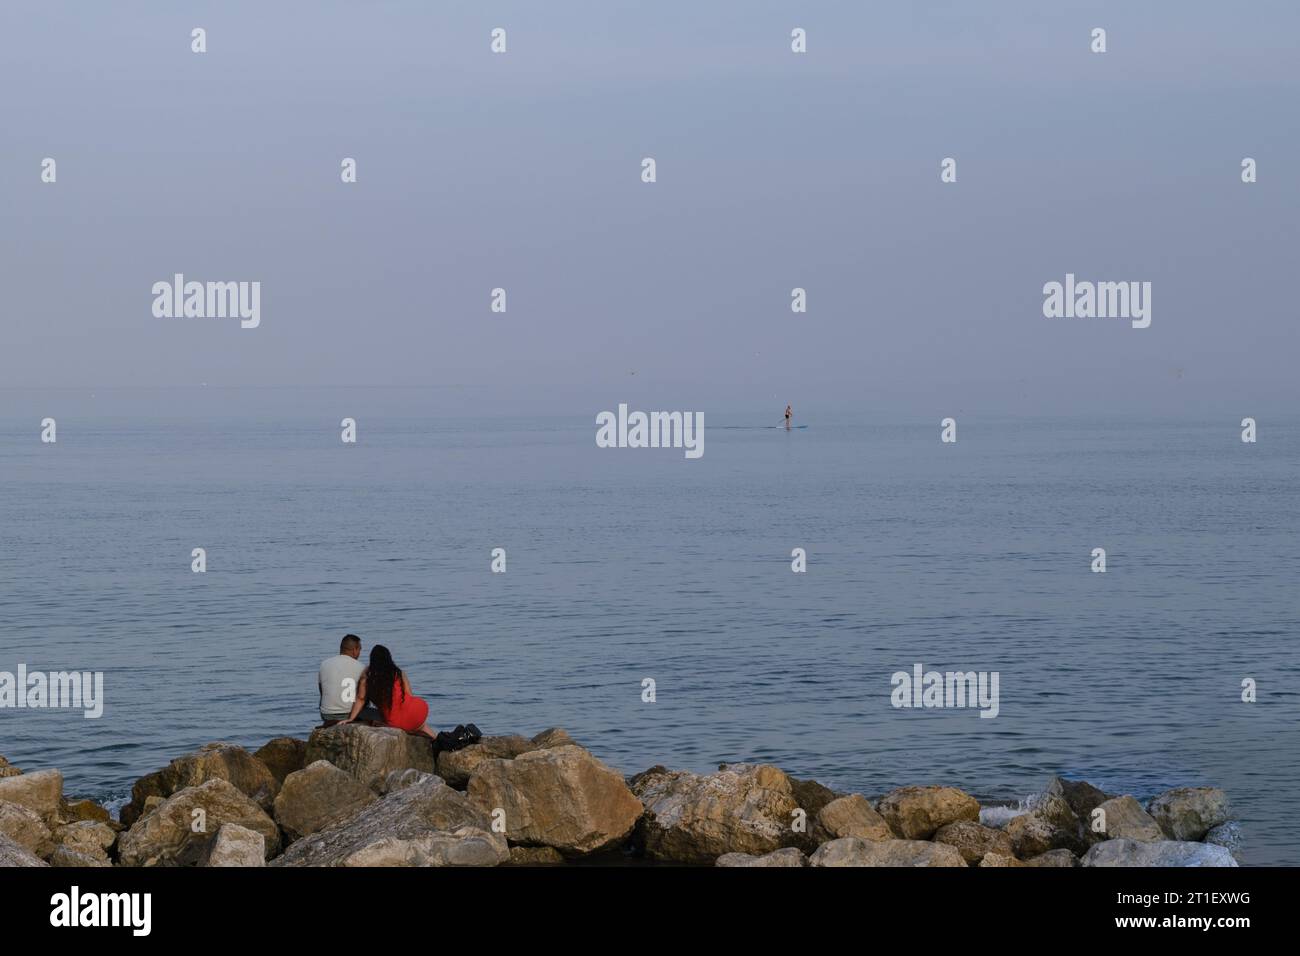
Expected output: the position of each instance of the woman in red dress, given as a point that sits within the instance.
(386, 684)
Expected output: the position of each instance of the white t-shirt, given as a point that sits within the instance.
(339, 677)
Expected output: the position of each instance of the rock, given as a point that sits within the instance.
(1226, 835)
(146, 793)
(813, 797)
(282, 756)
(235, 845)
(25, 827)
(87, 810)
(743, 808)
(790, 856)
(1000, 859)
(915, 813)
(457, 766)
(166, 836)
(851, 851)
(215, 761)
(317, 797)
(534, 856)
(370, 754)
(7, 769)
(466, 846)
(1187, 813)
(88, 837)
(401, 779)
(425, 824)
(1051, 825)
(562, 797)
(1125, 819)
(41, 791)
(67, 856)
(998, 816)
(1161, 853)
(1053, 858)
(1081, 796)
(12, 854)
(637, 780)
(850, 816)
(974, 841)
(1058, 812)
(553, 737)
(1031, 835)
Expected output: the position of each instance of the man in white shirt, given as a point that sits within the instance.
(338, 680)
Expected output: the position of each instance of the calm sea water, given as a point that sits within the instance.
(627, 564)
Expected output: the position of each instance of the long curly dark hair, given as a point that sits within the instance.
(380, 675)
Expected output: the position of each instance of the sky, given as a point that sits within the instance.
(775, 170)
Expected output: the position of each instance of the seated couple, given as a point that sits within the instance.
(378, 694)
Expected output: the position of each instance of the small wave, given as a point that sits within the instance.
(998, 817)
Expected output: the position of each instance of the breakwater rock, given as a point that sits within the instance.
(365, 796)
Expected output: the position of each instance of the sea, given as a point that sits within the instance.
(649, 603)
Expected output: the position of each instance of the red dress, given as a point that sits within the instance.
(407, 712)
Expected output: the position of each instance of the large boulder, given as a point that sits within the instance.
(214, 761)
(1160, 853)
(1081, 796)
(457, 766)
(13, 854)
(282, 756)
(146, 793)
(851, 816)
(1057, 858)
(1051, 825)
(425, 824)
(812, 796)
(1187, 813)
(1124, 819)
(67, 856)
(236, 846)
(562, 797)
(88, 810)
(742, 808)
(535, 856)
(40, 791)
(318, 796)
(999, 860)
(26, 828)
(553, 737)
(175, 834)
(915, 813)
(465, 846)
(401, 779)
(790, 856)
(1226, 835)
(369, 754)
(87, 837)
(974, 840)
(850, 851)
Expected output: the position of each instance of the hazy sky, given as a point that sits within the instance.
(775, 170)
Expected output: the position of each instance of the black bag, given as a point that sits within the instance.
(458, 739)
